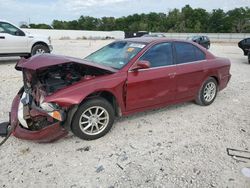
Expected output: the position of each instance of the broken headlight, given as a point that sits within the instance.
(49, 107)
(53, 110)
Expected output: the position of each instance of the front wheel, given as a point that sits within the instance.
(207, 92)
(39, 49)
(93, 119)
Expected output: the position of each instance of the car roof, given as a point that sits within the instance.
(152, 40)
(3, 20)
(148, 40)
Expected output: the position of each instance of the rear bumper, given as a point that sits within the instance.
(224, 81)
(48, 134)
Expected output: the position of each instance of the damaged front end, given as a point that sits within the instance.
(33, 112)
(31, 117)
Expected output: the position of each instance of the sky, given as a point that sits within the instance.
(45, 11)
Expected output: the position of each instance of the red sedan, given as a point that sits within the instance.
(62, 94)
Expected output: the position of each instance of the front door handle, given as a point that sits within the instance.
(172, 75)
(2, 37)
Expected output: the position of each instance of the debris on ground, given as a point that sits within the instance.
(86, 148)
(246, 172)
(119, 166)
(25, 150)
(235, 153)
(99, 168)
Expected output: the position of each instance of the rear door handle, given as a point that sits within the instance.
(172, 75)
(2, 37)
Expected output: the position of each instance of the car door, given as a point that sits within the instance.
(12, 39)
(155, 85)
(190, 69)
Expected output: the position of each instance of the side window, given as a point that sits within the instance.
(159, 55)
(1, 28)
(186, 53)
(10, 29)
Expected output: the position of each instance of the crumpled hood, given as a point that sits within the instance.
(46, 60)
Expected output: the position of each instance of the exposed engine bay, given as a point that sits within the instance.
(60, 76)
(33, 112)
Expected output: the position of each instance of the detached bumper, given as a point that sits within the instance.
(48, 134)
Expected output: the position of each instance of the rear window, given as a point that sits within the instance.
(187, 52)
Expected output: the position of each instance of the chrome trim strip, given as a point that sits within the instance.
(191, 62)
(153, 68)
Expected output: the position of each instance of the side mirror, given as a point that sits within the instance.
(141, 65)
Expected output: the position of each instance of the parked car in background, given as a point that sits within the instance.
(135, 34)
(62, 94)
(245, 46)
(16, 42)
(154, 35)
(202, 40)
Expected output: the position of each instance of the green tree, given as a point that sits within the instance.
(216, 22)
(239, 20)
(107, 24)
(185, 20)
(40, 26)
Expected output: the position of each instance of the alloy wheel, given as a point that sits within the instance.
(209, 91)
(94, 120)
(40, 51)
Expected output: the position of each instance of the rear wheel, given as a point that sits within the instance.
(207, 92)
(39, 49)
(93, 119)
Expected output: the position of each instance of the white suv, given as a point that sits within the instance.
(16, 42)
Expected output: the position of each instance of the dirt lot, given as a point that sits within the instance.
(178, 146)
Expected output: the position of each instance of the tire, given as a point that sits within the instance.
(86, 128)
(207, 92)
(39, 49)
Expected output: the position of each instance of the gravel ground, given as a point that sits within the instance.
(182, 145)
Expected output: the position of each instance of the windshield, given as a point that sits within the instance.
(116, 54)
